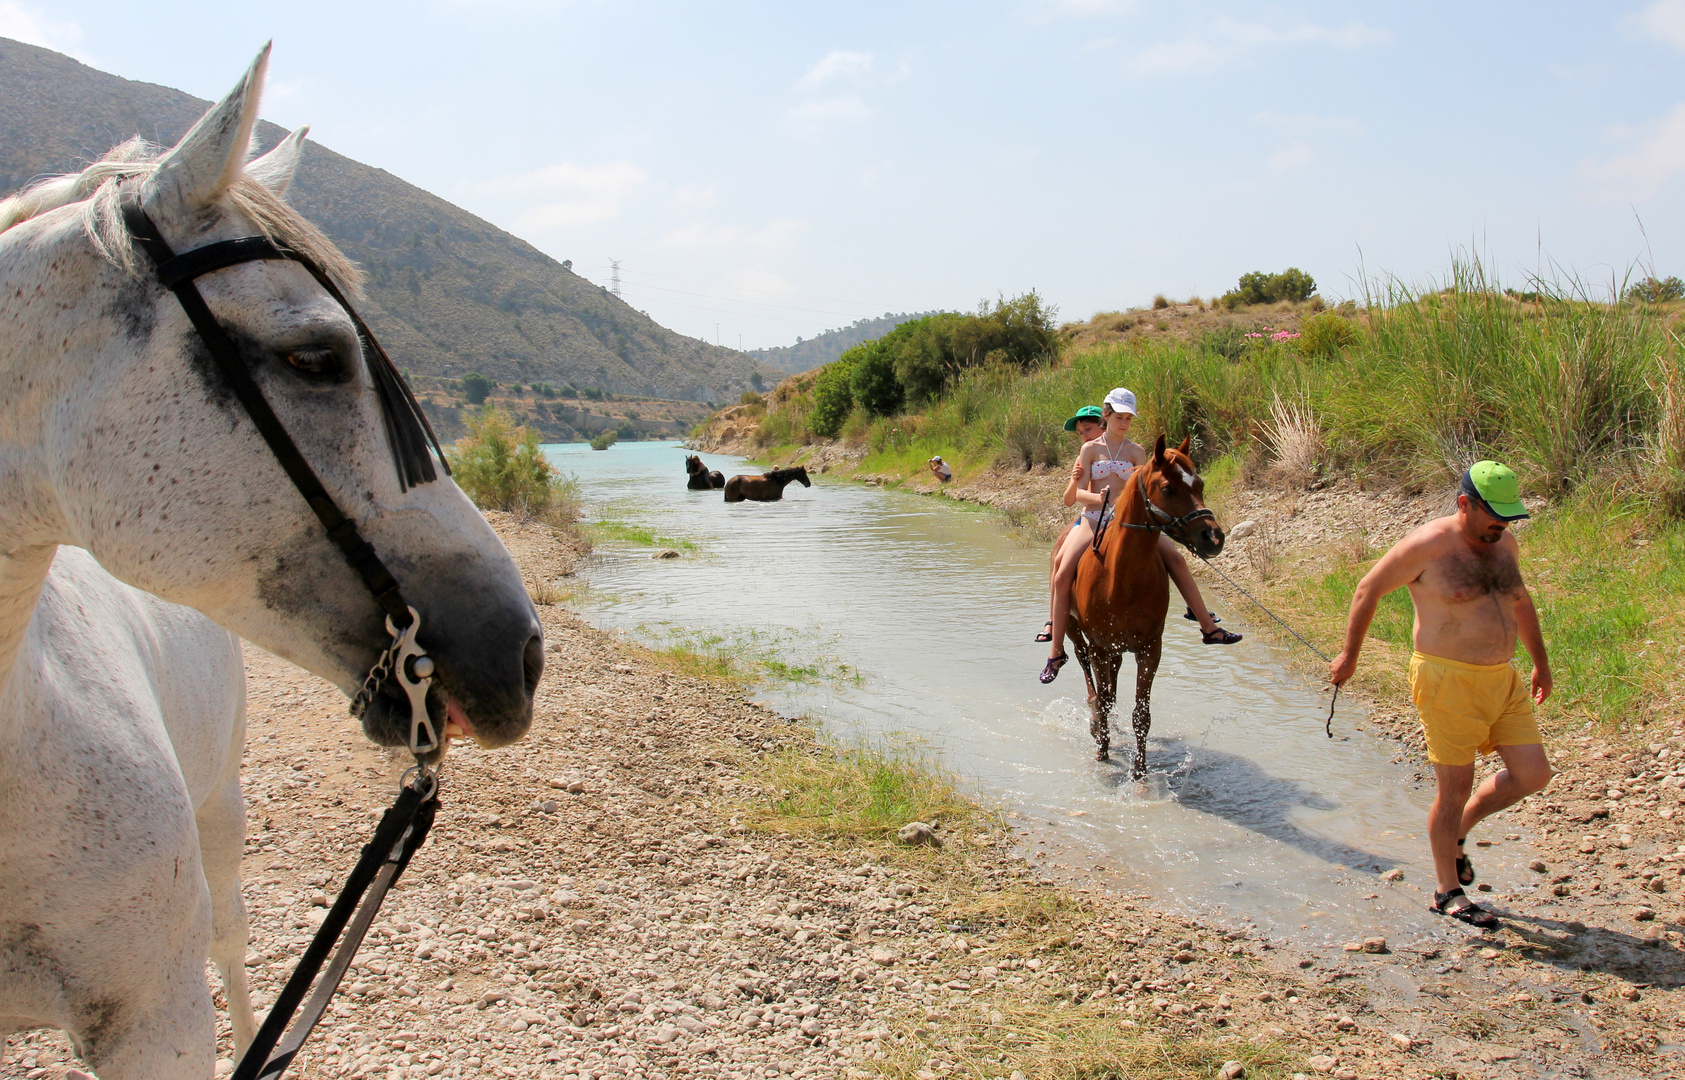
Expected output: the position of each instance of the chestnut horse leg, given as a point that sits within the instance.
(1097, 717)
(1141, 719)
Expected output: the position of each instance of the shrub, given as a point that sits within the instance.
(1325, 335)
(874, 383)
(755, 380)
(832, 397)
(1260, 288)
(476, 387)
(1160, 302)
(604, 439)
(501, 467)
(1654, 291)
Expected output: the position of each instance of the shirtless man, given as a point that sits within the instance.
(1464, 576)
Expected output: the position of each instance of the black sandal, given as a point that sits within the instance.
(1470, 913)
(1220, 636)
(1046, 635)
(1051, 671)
(1465, 868)
(1191, 617)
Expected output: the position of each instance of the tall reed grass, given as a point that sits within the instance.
(1416, 386)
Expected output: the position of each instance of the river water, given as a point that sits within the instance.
(914, 617)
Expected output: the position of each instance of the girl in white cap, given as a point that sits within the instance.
(1104, 465)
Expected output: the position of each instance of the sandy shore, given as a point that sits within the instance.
(616, 897)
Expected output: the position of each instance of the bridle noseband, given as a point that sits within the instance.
(408, 434)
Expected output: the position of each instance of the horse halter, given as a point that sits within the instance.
(408, 434)
(1174, 527)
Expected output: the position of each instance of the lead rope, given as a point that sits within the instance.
(1329, 727)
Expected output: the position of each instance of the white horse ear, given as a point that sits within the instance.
(275, 169)
(209, 158)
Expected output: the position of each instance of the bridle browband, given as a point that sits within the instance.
(412, 442)
(408, 435)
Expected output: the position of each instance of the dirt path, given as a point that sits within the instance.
(611, 898)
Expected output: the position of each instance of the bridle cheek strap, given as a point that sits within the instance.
(410, 437)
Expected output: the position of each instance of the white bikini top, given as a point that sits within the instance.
(1108, 465)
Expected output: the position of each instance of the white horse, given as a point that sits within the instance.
(121, 716)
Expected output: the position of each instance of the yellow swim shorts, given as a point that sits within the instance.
(1468, 709)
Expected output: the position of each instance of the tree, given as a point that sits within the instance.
(1657, 291)
(755, 380)
(833, 398)
(1261, 288)
(874, 383)
(475, 387)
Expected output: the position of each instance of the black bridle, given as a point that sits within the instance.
(414, 445)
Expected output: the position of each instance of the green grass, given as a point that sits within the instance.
(748, 656)
(857, 791)
(628, 533)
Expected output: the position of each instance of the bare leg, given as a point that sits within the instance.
(1185, 584)
(1065, 572)
(1445, 821)
(1526, 771)
(1053, 572)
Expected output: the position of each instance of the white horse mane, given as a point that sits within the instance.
(102, 218)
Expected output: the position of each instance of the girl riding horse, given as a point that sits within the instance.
(1098, 478)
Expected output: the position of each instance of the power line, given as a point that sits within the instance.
(756, 303)
(747, 288)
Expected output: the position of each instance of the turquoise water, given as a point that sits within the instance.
(911, 616)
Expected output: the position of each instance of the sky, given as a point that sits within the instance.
(766, 171)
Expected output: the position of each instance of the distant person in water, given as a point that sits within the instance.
(1464, 576)
(940, 470)
(1103, 465)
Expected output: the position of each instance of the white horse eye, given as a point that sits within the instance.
(313, 361)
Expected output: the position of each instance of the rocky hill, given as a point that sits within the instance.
(448, 293)
(822, 349)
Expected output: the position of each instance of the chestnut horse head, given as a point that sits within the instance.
(1122, 589)
(1175, 501)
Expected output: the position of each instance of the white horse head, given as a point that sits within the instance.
(118, 435)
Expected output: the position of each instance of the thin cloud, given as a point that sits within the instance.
(1226, 40)
(1657, 157)
(1291, 158)
(837, 65)
(1344, 125)
(32, 27)
(566, 195)
(811, 118)
(774, 234)
(1087, 9)
(1663, 21)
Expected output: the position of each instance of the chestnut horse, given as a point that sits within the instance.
(701, 477)
(1122, 589)
(768, 488)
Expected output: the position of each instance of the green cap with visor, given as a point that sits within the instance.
(1496, 486)
(1087, 412)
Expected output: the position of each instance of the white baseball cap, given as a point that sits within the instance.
(1121, 400)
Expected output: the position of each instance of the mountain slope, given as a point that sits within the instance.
(448, 293)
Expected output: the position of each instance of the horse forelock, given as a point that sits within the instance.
(99, 187)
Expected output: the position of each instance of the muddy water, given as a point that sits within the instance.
(910, 616)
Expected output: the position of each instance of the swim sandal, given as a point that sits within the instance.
(1220, 636)
(1051, 671)
(1471, 912)
(1046, 635)
(1465, 869)
(1191, 617)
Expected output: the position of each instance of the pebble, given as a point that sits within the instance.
(1375, 945)
(1644, 914)
(1402, 1041)
(1395, 874)
(1538, 866)
(1232, 1070)
(664, 553)
(1243, 530)
(1353, 946)
(1322, 1063)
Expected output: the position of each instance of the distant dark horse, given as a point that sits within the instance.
(768, 488)
(701, 478)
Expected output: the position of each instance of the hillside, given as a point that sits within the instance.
(815, 351)
(448, 293)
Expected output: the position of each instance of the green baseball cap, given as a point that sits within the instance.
(1087, 412)
(1496, 486)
